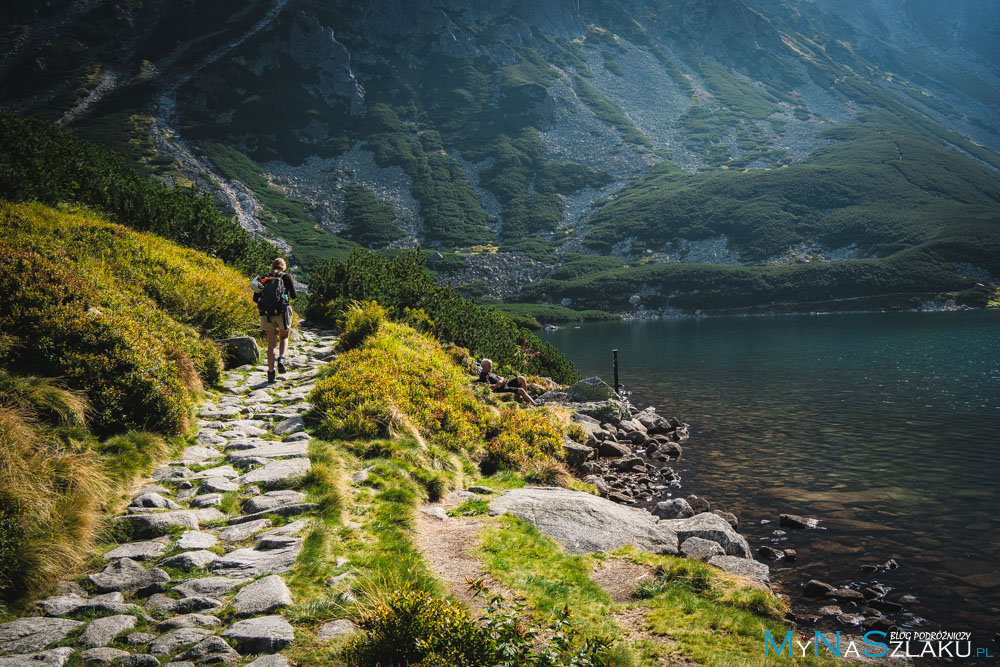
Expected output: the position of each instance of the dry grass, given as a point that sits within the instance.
(56, 480)
(51, 499)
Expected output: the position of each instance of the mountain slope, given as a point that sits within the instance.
(546, 130)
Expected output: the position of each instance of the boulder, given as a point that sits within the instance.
(102, 656)
(210, 586)
(589, 390)
(137, 551)
(139, 638)
(768, 553)
(154, 525)
(698, 504)
(264, 634)
(276, 450)
(207, 500)
(282, 510)
(277, 472)
(273, 499)
(193, 539)
(583, 523)
(155, 501)
(710, 527)
(243, 531)
(611, 449)
(188, 605)
(57, 657)
(338, 628)
(263, 596)
(218, 485)
(273, 555)
(730, 518)
(816, 589)
(128, 576)
(190, 560)
(198, 453)
(744, 567)
(35, 633)
(630, 464)
(701, 549)
(71, 603)
(845, 595)
(189, 621)
(175, 640)
(274, 660)
(290, 426)
(675, 508)
(213, 650)
(101, 631)
(575, 453)
(239, 351)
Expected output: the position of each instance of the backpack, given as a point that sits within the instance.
(272, 300)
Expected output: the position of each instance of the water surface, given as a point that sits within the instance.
(884, 426)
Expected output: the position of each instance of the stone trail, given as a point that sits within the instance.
(251, 439)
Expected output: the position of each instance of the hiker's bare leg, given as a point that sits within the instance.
(272, 342)
(284, 343)
(523, 394)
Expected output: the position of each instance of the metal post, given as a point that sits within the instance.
(614, 354)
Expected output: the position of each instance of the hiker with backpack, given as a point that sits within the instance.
(273, 294)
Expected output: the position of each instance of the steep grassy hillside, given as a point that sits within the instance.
(125, 321)
(124, 316)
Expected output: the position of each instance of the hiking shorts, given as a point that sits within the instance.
(277, 322)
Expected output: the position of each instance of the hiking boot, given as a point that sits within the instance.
(281, 364)
(270, 376)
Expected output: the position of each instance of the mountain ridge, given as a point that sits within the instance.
(519, 126)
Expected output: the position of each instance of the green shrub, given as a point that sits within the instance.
(361, 320)
(401, 283)
(413, 627)
(370, 222)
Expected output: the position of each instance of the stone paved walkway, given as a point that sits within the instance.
(198, 584)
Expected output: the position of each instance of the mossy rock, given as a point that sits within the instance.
(590, 390)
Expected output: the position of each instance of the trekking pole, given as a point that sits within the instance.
(614, 356)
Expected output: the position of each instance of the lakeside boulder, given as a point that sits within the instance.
(592, 397)
(584, 523)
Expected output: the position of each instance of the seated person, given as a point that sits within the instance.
(518, 385)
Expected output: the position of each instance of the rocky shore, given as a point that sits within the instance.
(629, 456)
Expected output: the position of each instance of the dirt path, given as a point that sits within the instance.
(448, 546)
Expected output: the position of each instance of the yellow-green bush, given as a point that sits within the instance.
(361, 320)
(402, 381)
(124, 316)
